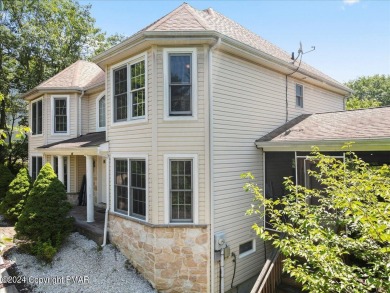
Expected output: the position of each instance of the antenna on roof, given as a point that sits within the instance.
(300, 52)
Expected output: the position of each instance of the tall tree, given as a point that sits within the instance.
(369, 91)
(39, 38)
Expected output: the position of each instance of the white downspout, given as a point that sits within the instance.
(108, 162)
(211, 154)
(107, 201)
(223, 270)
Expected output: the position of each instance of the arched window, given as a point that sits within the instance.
(101, 113)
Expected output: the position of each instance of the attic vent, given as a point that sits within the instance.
(210, 11)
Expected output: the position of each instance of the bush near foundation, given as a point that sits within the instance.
(15, 198)
(44, 219)
(5, 179)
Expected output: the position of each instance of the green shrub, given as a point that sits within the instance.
(44, 251)
(15, 198)
(5, 179)
(45, 215)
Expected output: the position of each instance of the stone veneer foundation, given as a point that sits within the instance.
(171, 258)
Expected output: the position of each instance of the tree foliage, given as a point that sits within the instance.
(371, 91)
(5, 179)
(356, 103)
(44, 218)
(341, 244)
(14, 201)
(39, 38)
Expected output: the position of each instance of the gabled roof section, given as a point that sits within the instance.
(364, 124)
(78, 76)
(185, 18)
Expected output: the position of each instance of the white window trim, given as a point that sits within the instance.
(195, 180)
(303, 90)
(67, 169)
(103, 94)
(129, 120)
(129, 156)
(246, 253)
(53, 97)
(31, 116)
(194, 82)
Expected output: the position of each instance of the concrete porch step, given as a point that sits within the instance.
(94, 230)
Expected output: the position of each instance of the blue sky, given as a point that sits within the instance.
(352, 37)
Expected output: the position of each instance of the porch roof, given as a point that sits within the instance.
(89, 142)
(367, 128)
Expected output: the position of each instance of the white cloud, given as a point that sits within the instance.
(350, 2)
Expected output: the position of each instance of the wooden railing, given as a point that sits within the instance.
(271, 274)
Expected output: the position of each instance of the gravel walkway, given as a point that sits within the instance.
(81, 266)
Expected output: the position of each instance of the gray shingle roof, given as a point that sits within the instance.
(92, 139)
(78, 76)
(187, 18)
(345, 125)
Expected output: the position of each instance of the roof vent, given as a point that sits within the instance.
(210, 11)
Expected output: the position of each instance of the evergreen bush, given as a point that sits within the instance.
(5, 179)
(15, 198)
(44, 219)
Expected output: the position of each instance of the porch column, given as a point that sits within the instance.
(89, 177)
(60, 168)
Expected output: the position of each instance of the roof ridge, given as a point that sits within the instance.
(160, 21)
(76, 72)
(66, 69)
(198, 17)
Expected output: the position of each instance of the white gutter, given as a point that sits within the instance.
(358, 144)
(211, 158)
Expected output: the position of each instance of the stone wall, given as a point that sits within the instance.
(172, 259)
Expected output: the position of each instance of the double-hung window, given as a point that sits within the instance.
(180, 193)
(180, 81)
(36, 165)
(299, 95)
(36, 117)
(130, 187)
(60, 105)
(129, 91)
(181, 188)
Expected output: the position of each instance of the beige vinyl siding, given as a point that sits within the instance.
(248, 102)
(86, 114)
(157, 137)
(73, 122)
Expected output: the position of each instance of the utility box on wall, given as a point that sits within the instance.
(219, 241)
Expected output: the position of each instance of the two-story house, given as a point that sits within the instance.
(162, 125)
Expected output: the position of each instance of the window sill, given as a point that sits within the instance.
(129, 122)
(59, 134)
(144, 222)
(180, 118)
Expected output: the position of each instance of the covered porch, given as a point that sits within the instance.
(82, 165)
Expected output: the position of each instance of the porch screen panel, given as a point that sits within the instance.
(121, 186)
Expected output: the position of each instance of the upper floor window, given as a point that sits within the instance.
(299, 95)
(129, 91)
(101, 112)
(36, 117)
(60, 111)
(180, 83)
